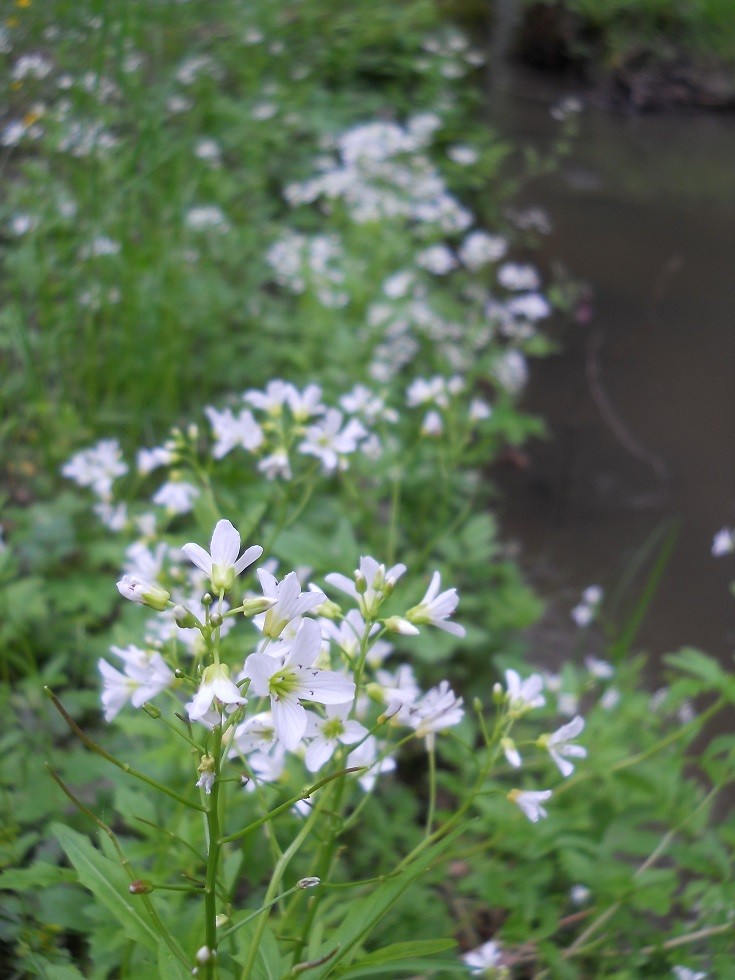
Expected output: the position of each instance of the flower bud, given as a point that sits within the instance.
(207, 599)
(498, 693)
(144, 593)
(185, 619)
(215, 620)
(397, 624)
(140, 887)
(360, 583)
(393, 708)
(257, 605)
(308, 882)
(204, 954)
(220, 920)
(328, 609)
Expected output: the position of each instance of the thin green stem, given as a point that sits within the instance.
(432, 789)
(270, 895)
(94, 747)
(213, 855)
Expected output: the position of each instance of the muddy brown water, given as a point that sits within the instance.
(640, 402)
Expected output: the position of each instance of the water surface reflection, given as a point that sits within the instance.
(641, 402)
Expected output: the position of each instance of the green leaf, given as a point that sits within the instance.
(385, 958)
(268, 963)
(108, 883)
(170, 966)
(39, 875)
(365, 913)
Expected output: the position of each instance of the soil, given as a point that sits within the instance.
(553, 38)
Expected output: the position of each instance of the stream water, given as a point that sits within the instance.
(640, 402)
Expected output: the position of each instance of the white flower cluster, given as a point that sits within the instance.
(380, 173)
(521, 697)
(317, 261)
(334, 661)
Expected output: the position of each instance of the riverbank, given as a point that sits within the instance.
(640, 57)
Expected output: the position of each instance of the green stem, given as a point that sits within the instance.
(287, 805)
(94, 747)
(155, 918)
(270, 895)
(432, 789)
(213, 854)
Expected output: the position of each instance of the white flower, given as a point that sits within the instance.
(232, 430)
(176, 496)
(305, 404)
(348, 634)
(610, 699)
(255, 734)
(203, 218)
(398, 687)
(437, 259)
(375, 582)
(599, 668)
(290, 602)
(579, 894)
(479, 248)
(530, 802)
(523, 695)
(438, 709)
(113, 516)
(148, 460)
(485, 957)
(479, 410)
(329, 442)
(515, 276)
(277, 464)
(221, 564)
(97, 467)
(326, 733)
(684, 973)
(433, 424)
(146, 675)
(510, 370)
(215, 683)
(529, 306)
(288, 682)
(463, 155)
(272, 400)
(366, 754)
(583, 615)
(559, 746)
(510, 752)
(144, 593)
(723, 542)
(435, 607)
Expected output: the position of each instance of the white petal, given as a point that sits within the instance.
(248, 557)
(225, 544)
(326, 686)
(198, 556)
(259, 667)
(320, 750)
(307, 644)
(289, 721)
(342, 583)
